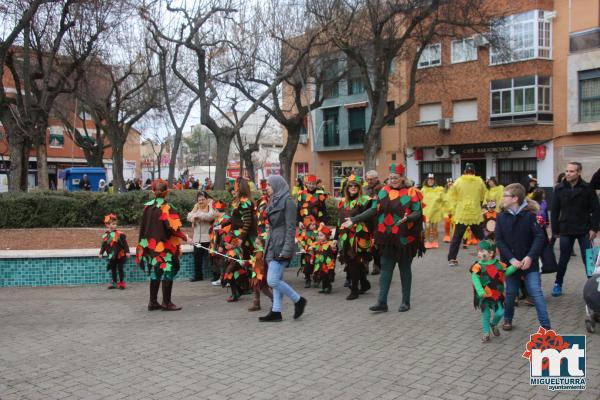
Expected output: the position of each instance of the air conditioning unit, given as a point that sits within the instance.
(444, 124)
(441, 152)
(303, 139)
(480, 41)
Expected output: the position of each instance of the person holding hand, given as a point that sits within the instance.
(520, 240)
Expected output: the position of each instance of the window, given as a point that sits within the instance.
(430, 113)
(589, 95)
(523, 36)
(441, 169)
(331, 134)
(588, 39)
(526, 97)
(356, 122)
(84, 112)
(465, 110)
(301, 169)
(391, 106)
(463, 50)
(515, 170)
(431, 56)
(330, 86)
(56, 138)
(355, 83)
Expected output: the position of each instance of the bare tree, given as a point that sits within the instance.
(45, 53)
(375, 34)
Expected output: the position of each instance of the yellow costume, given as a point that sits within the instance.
(495, 194)
(449, 206)
(468, 192)
(433, 201)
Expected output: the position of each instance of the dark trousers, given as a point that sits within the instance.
(459, 232)
(115, 267)
(566, 247)
(358, 273)
(200, 255)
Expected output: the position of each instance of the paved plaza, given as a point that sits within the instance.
(90, 343)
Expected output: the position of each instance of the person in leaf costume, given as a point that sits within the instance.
(324, 252)
(355, 241)
(219, 228)
(306, 239)
(468, 193)
(114, 245)
(399, 233)
(433, 209)
(159, 247)
(258, 275)
(241, 235)
(311, 202)
(262, 222)
(487, 276)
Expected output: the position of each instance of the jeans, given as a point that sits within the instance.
(533, 283)
(566, 247)
(459, 232)
(280, 288)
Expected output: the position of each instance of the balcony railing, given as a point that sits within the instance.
(331, 137)
(356, 136)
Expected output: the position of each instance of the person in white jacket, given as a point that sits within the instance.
(201, 217)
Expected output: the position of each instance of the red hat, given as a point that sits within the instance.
(109, 217)
(310, 178)
(397, 169)
(325, 230)
(263, 184)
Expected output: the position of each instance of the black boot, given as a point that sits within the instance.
(299, 307)
(153, 304)
(307, 284)
(365, 285)
(379, 307)
(352, 296)
(167, 304)
(272, 316)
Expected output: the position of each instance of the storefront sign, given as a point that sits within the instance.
(489, 148)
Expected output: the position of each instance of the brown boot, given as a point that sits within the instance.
(256, 302)
(153, 304)
(167, 304)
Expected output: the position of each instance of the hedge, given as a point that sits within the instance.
(58, 209)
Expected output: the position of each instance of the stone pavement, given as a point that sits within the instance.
(90, 343)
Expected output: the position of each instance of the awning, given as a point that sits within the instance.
(362, 104)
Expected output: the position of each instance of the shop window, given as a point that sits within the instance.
(441, 169)
(515, 170)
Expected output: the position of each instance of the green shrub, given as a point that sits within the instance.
(58, 209)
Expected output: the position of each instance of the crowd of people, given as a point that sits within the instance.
(250, 243)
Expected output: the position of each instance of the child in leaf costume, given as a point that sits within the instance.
(324, 251)
(258, 275)
(311, 202)
(262, 221)
(305, 239)
(487, 276)
(355, 242)
(240, 239)
(114, 244)
(159, 247)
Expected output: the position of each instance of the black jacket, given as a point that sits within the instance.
(519, 236)
(575, 209)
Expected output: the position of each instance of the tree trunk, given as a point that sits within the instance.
(18, 150)
(174, 151)
(117, 167)
(286, 157)
(249, 164)
(41, 153)
(224, 139)
(371, 147)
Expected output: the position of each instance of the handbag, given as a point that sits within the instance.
(548, 258)
(592, 259)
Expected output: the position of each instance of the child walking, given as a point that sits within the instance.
(114, 244)
(324, 251)
(487, 276)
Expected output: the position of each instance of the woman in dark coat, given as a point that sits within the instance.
(280, 246)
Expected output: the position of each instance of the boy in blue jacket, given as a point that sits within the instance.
(520, 240)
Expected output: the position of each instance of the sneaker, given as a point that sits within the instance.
(557, 290)
(216, 283)
(435, 245)
(379, 307)
(112, 285)
(446, 239)
(404, 307)
(453, 263)
(121, 285)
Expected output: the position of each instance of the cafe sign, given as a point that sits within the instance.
(489, 148)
